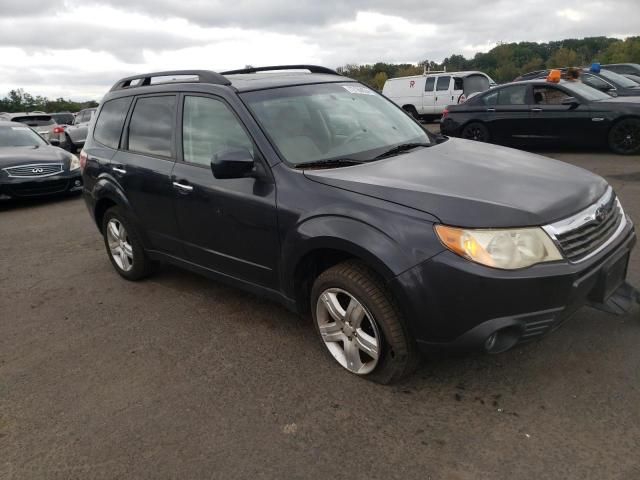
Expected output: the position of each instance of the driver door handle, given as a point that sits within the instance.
(183, 187)
(119, 170)
(536, 109)
(491, 109)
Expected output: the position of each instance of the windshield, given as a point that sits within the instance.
(619, 79)
(20, 137)
(585, 91)
(311, 123)
(35, 120)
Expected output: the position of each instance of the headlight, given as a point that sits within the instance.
(501, 248)
(74, 163)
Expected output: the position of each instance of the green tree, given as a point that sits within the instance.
(379, 80)
(563, 57)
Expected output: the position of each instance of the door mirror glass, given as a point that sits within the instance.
(232, 163)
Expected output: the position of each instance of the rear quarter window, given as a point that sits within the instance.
(109, 125)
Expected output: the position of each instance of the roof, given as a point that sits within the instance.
(259, 81)
(7, 123)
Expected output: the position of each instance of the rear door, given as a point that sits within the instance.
(227, 225)
(508, 112)
(443, 94)
(143, 169)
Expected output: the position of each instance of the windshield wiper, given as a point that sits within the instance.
(330, 163)
(403, 147)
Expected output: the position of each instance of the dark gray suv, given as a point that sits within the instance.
(315, 191)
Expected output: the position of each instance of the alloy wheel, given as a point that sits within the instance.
(119, 245)
(626, 136)
(348, 330)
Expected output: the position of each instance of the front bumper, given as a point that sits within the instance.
(455, 304)
(16, 187)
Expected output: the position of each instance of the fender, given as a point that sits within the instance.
(106, 187)
(347, 234)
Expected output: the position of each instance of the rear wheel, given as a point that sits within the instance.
(476, 131)
(360, 324)
(124, 246)
(624, 137)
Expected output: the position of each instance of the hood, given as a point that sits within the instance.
(12, 156)
(472, 184)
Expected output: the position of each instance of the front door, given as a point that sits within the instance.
(227, 225)
(553, 122)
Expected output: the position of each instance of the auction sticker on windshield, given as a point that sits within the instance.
(358, 89)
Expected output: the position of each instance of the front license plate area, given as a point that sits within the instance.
(610, 278)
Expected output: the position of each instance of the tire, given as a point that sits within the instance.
(132, 263)
(624, 137)
(70, 145)
(476, 131)
(374, 325)
(411, 110)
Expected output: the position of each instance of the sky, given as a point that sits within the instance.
(78, 49)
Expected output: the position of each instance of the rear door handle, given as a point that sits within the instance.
(536, 109)
(119, 170)
(491, 109)
(183, 187)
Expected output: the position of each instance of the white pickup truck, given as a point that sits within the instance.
(426, 96)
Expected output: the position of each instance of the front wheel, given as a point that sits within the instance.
(360, 324)
(624, 137)
(476, 131)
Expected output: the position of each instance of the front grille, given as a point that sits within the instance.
(586, 233)
(35, 170)
(29, 189)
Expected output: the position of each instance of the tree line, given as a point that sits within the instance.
(508, 60)
(20, 101)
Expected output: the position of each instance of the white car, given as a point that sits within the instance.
(426, 96)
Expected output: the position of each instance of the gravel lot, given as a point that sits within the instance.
(181, 377)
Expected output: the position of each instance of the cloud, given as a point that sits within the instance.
(82, 47)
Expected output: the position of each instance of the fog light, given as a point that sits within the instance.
(77, 183)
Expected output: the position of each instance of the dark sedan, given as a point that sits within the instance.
(29, 166)
(602, 79)
(539, 112)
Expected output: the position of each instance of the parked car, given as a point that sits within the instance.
(43, 123)
(635, 78)
(426, 96)
(540, 112)
(63, 118)
(317, 192)
(76, 133)
(30, 166)
(623, 68)
(599, 78)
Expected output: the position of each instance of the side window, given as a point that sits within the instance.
(429, 84)
(596, 82)
(458, 83)
(443, 83)
(491, 98)
(513, 95)
(209, 127)
(548, 96)
(151, 127)
(110, 122)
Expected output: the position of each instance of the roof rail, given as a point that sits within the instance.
(311, 68)
(204, 76)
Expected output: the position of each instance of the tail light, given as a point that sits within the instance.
(83, 160)
(58, 129)
(445, 113)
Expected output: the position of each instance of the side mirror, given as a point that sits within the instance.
(232, 163)
(570, 101)
(55, 142)
(612, 91)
